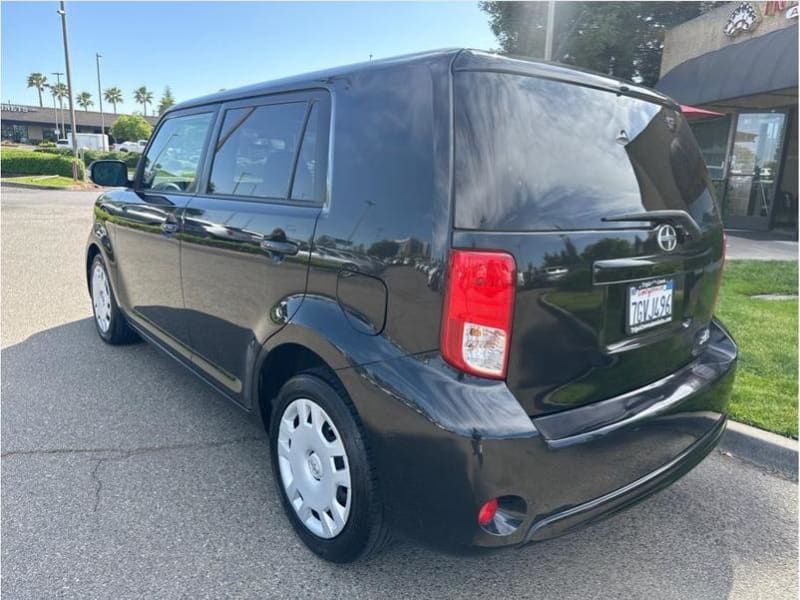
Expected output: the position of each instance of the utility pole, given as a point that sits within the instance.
(63, 12)
(60, 107)
(98, 56)
(548, 40)
(55, 110)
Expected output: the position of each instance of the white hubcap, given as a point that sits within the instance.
(101, 298)
(314, 468)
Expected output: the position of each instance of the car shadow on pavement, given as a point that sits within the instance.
(125, 476)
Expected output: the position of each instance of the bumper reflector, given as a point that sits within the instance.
(487, 512)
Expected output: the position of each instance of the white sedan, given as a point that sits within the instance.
(137, 146)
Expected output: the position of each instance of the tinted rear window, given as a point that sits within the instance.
(536, 154)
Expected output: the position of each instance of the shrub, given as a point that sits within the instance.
(24, 162)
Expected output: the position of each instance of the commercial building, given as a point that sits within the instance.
(740, 62)
(22, 123)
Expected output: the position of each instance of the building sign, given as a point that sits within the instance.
(16, 108)
(774, 7)
(744, 17)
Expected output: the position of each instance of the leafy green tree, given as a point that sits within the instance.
(84, 100)
(167, 100)
(624, 39)
(113, 95)
(131, 127)
(38, 81)
(143, 96)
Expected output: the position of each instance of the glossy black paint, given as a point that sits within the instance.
(224, 284)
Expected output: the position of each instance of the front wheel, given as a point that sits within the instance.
(321, 467)
(108, 318)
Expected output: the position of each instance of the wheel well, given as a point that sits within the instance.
(283, 363)
(90, 254)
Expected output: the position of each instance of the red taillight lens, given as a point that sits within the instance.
(478, 307)
(487, 512)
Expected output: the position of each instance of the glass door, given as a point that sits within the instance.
(754, 162)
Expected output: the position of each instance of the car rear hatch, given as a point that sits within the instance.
(603, 199)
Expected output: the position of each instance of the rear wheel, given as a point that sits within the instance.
(321, 467)
(108, 319)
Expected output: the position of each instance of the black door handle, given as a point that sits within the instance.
(287, 248)
(169, 227)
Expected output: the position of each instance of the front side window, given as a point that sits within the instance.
(255, 152)
(173, 159)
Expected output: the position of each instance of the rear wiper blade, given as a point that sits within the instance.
(680, 218)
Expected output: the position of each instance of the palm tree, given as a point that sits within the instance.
(60, 91)
(38, 81)
(114, 96)
(84, 100)
(144, 97)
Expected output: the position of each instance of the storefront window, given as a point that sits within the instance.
(712, 137)
(754, 164)
(15, 133)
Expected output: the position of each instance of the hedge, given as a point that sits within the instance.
(89, 156)
(24, 162)
(129, 158)
(54, 150)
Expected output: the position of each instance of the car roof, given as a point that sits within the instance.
(462, 59)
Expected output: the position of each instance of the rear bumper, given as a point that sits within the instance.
(444, 444)
(620, 499)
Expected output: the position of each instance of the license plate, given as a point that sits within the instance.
(649, 304)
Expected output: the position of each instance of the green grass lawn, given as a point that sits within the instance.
(55, 181)
(765, 394)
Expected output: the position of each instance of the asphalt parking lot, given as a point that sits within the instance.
(125, 477)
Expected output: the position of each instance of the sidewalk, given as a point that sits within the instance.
(760, 245)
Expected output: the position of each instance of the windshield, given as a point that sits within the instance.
(532, 153)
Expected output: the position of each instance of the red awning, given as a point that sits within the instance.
(692, 112)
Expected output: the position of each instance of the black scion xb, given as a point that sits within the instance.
(470, 297)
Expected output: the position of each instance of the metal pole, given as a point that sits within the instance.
(98, 56)
(62, 11)
(62, 134)
(55, 111)
(548, 40)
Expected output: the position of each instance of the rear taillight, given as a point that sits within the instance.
(478, 307)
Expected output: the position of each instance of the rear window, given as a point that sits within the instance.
(536, 154)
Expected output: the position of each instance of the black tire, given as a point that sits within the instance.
(365, 532)
(118, 332)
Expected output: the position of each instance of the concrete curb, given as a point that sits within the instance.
(28, 186)
(761, 448)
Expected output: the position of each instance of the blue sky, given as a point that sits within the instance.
(199, 47)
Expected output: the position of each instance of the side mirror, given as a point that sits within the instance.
(109, 173)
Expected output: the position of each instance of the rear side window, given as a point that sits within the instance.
(536, 154)
(255, 151)
(305, 177)
(173, 158)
